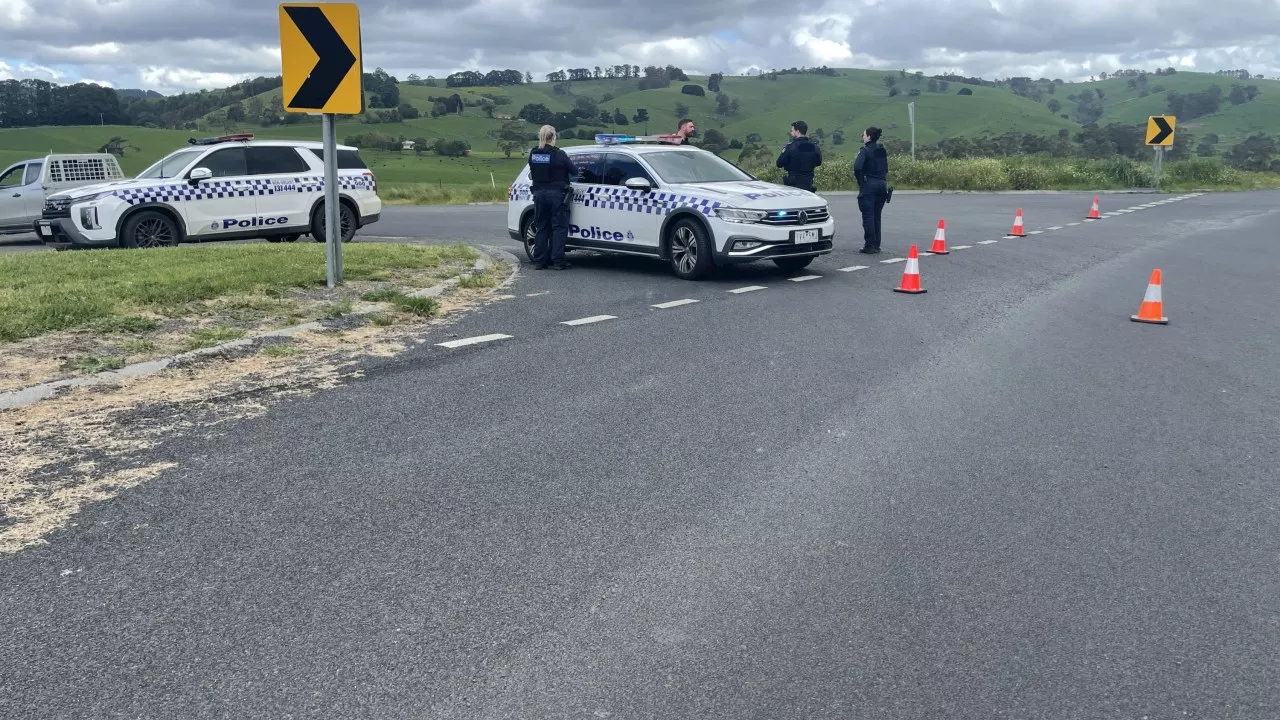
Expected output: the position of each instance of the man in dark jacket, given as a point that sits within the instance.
(799, 158)
(550, 174)
(871, 170)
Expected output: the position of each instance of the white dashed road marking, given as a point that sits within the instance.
(749, 288)
(588, 320)
(674, 303)
(851, 268)
(472, 340)
(1034, 232)
(1056, 227)
(802, 278)
(987, 242)
(1072, 224)
(893, 260)
(961, 247)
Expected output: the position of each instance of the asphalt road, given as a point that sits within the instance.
(820, 499)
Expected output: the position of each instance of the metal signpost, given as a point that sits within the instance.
(323, 73)
(1159, 137)
(911, 115)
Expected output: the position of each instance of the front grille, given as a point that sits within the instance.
(57, 208)
(804, 216)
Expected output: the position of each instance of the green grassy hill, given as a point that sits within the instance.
(846, 102)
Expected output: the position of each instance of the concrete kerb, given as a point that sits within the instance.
(35, 393)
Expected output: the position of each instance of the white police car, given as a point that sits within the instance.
(224, 188)
(637, 196)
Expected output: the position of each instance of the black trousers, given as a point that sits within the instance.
(803, 182)
(871, 203)
(551, 218)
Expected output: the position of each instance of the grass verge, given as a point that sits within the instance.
(84, 312)
(426, 194)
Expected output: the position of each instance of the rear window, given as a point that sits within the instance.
(347, 159)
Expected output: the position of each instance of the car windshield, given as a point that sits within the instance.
(695, 166)
(170, 166)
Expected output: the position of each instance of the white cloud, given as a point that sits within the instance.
(168, 45)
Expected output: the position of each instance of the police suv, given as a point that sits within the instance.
(646, 197)
(223, 188)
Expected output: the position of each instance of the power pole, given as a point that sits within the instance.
(911, 115)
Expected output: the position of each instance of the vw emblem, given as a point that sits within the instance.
(804, 217)
(213, 225)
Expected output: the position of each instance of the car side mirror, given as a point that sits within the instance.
(638, 183)
(200, 173)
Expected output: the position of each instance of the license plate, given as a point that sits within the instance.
(802, 237)
(46, 230)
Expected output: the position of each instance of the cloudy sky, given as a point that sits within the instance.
(176, 45)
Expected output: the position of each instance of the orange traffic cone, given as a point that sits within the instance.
(940, 240)
(1152, 309)
(1093, 211)
(911, 275)
(1017, 230)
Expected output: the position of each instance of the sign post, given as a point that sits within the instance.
(323, 73)
(1159, 137)
(911, 115)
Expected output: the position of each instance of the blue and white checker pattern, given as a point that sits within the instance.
(218, 189)
(613, 197)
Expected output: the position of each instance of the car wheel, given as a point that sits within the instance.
(149, 229)
(528, 234)
(346, 223)
(791, 264)
(689, 250)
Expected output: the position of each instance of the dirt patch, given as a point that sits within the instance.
(91, 443)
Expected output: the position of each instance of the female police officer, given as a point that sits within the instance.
(871, 170)
(550, 172)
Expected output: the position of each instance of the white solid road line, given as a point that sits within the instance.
(851, 268)
(587, 320)
(472, 340)
(893, 260)
(802, 278)
(749, 288)
(961, 247)
(674, 303)
(987, 242)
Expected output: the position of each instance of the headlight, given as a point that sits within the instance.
(737, 215)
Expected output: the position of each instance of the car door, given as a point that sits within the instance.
(33, 190)
(278, 171)
(635, 216)
(585, 212)
(13, 205)
(224, 204)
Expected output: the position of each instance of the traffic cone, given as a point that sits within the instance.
(1152, 308)
(1017, 230)
(1093, 211)
(940, 240)
(911, 275)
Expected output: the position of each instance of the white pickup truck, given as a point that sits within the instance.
(25, 185)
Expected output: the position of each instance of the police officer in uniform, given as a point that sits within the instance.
(550, 172)
(871, 170)
(799, 158)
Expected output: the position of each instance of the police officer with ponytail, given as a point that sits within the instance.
(871, 170)
(550, 174)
